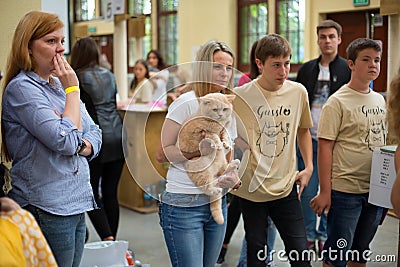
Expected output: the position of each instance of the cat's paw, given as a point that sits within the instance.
(233, 165)
(226, 145)
(216, 143)
(206, 146)
(219, 147)
(214, 191)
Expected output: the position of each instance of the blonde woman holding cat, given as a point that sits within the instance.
(191, 234)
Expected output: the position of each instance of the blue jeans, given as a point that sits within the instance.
(352, 224)
(288, 218)
(192, 236)
(65, 235)
(310, 191)
(271, 236)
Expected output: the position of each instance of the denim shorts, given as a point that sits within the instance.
(352, 224)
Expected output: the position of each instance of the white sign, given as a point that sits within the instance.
(383, 175)
(118, 7)
(109, 11)
(114, 7)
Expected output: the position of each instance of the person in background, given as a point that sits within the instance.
(159, 76)
(192, 236)
(272, 112)
(254, 71)
(322, 77)
(98, 92)
(155, 61)
(393, 107)
(48, 135)
(234, 210)
(352, 124)
(141, 90)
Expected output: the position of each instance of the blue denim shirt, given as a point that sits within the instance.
(46, 172)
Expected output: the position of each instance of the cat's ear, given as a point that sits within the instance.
(204, 100)
(230, 97)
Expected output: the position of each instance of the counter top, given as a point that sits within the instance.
(143, 108)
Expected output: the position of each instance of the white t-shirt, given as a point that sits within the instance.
(143, 91)
(160, 90)
(177, 179)
(321, 94)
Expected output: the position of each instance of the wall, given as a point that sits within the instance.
(10, 14)
(316, 11)
(393, 51)
(201, 21)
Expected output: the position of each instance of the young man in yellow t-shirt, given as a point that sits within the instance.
(352, 124)
(271, 113)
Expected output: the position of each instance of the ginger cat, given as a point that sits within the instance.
(213, 116)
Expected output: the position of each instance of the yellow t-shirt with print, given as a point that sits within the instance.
(268, 122)
(356, 122)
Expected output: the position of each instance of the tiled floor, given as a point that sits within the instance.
(145, 238)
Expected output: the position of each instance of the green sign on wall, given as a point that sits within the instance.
(360, 2)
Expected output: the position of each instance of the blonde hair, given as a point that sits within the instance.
(393, 107)
(202, 72)
(34, 25)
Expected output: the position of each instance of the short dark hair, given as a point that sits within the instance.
(360, 44)
(326, 24)
(272, 45)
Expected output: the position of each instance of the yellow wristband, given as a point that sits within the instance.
(71, 89)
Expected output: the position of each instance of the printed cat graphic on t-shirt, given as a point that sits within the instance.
(376, 135)
(273, 139)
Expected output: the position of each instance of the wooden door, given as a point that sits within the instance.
(359, 25)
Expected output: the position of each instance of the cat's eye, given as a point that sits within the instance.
(215, 109)
(225, 109)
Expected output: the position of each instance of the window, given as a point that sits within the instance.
(142, 7)
(85, 10)
(290, 24)
(167, 30)
(253, 24)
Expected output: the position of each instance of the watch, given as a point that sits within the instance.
(81, 147)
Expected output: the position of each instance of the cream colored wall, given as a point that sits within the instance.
(316, 11)
(393, 47)
(10, 14)
(201, 21)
